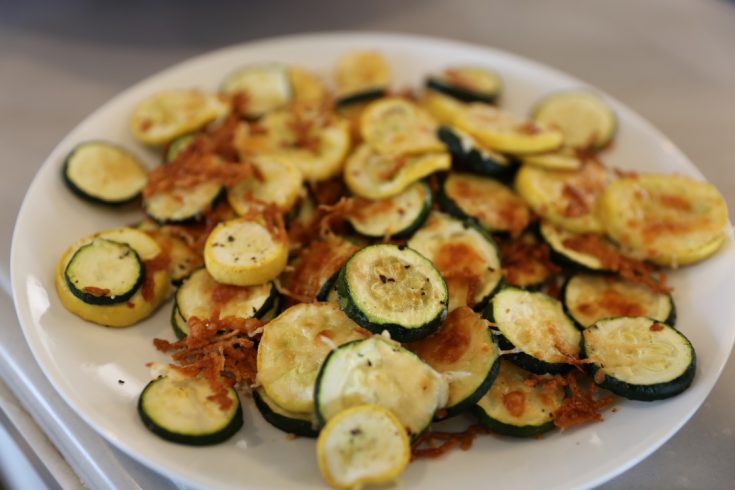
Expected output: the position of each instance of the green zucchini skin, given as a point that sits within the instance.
(562, 259)
(289, 425)
(520, 431)
(409, 230)
(177, 146)
(217, 437)
(326, 287)
(521, 359)
(363, 96)
(461, 94)
(396, 331)
(471, 400)
(642, 392)
(103, 300)
(181, 329)
(474, 161)
(80, 193)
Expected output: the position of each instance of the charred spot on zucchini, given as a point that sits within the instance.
(639, 358)
(492, 205)
(591, 297)
(103, 173)
(300, 424)
(380, 371)
(469, 156)
(179, 410)
(465, 255)
(468, 84)
(519, 403)
(393, 288)
(533, 326)
(464, 351)
(104, 272)
(397, 217)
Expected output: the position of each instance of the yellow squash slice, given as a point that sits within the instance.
(365, 444)
(373, 175)
(166, 115)
(567, 198)
(244, 252)
(443, 108)
(359, 71)
(139, 306)
(313, 141)
(669, 219)
(278, 182)
(506, 133)
(395, 126)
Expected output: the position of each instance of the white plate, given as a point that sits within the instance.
(101, 371)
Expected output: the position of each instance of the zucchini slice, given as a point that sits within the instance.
(670, 219)
(184, 258)
(393, 288)
(178, 145)
(519, 403)
(179, 410)
(202, 297)
(166, 115)
(146, 299)
(104, 173)
(469, 156)
(380, 371)
(245, 253)
(492, 205)
(639, 358)
(562, 159)
(525, 261)
(181, 328)
(586, 120)
(395, 126)
(293, 347)
(182, 205)
(306, 87)
(564, 255)
(104, 272)
(567, 198)
(535, 326)
(300, 424)
(266, 87)
(278, 182)
(506, 133)
(372, 175)
(396, 217)
(362, 445)
(360, 72)
(464, 350)
(315, 142)
(468, 84)
(464, 254)
(591, 297)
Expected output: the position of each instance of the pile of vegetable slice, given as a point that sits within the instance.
(370, 261)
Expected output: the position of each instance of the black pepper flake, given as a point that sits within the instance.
(356, 431)
(230, 238)
(407, 266)
(390, 279)
(383, 279)
(120, 382)
(401, 247)
(370, 363)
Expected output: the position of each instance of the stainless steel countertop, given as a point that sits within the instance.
(673, 61)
